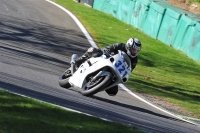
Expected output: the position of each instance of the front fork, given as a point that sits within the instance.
(100, 74)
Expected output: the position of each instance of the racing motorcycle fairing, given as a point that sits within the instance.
(97, 74)
(119, 65)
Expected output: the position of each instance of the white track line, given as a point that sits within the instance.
(72, 110)
(94, 45)
(87, 35)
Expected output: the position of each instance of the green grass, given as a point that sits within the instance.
(161, 71)
(24, 115)
(193, 1)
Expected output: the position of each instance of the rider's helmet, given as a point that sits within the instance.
(133, 47)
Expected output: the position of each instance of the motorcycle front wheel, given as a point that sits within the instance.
(99, 84)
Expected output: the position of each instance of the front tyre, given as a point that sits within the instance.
(64, 79)
(99, 84)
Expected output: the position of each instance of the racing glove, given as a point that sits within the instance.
(106, 52)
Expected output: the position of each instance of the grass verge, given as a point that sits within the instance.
(194, 1)
(21, 115)
(161, 71)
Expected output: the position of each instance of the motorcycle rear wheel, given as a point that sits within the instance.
(64, 79)
(99, 84)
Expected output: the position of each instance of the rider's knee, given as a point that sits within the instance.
(112, 91)
(94, 52)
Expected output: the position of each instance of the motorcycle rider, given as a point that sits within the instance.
(132, 48)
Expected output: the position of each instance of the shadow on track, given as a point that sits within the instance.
(35, 44)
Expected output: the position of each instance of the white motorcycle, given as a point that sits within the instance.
(97, 73)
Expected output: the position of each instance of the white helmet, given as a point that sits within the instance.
(133, 47)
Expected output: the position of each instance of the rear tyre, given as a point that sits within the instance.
(99, 84)
(64, 79)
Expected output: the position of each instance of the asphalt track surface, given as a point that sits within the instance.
(37, 40)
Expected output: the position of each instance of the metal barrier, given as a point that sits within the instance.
(87, 2)
(160, 20)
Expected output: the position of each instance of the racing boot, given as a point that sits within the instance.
(75, 64)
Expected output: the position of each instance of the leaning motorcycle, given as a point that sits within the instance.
(97, 73)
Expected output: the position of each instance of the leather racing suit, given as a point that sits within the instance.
(112, 49)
